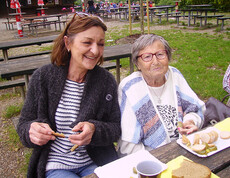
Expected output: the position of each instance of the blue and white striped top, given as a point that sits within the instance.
(60, 156)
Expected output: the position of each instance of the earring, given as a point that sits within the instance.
(68, 50)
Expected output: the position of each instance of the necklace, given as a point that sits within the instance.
(159, 97)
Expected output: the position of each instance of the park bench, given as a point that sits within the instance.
(27, 55)
(206, 17)
(14, 83)
(34, 27)
(222, 19)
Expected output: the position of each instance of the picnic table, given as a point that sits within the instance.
(44, 22)
(199, 9)
(161, 8)
(26, 66)
(5, 46)
(218, 163)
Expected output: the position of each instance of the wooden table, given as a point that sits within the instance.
(5, 46)
(198, 8)
(166, 8)
(44, 18)
(218, 163)
(26, 66)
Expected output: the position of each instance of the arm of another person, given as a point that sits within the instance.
(107, 128)
(226, 80)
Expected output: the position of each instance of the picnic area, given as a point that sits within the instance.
(200, 51)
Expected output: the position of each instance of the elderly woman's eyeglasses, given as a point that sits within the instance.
(147, 57)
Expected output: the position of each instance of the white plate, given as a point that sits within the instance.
(220, 143)
(123, 167)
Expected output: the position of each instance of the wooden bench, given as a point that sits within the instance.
(27, 55)
(35, 26)
(222, 19)
(206, 17)
(14, 83)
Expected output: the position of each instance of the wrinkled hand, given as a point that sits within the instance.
(85, 132)
(187, 128)
(40, 133)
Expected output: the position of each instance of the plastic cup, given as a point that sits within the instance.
(148, 169)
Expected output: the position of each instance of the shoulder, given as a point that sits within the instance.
(132, 79)
(175, 72)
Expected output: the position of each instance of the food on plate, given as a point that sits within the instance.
(58, 134)
(209, 137)
(206, 146)
(179, 124)
(74, 147)
(196, 139)
(185, 140)
(189, 169)
(225, 134)
(134, 170)
(198, 147)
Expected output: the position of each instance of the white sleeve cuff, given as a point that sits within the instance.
(194, 117)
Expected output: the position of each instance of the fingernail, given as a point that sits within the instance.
(178, 128)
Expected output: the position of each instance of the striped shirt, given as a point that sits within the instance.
(60, 156)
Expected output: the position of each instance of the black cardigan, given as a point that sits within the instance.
(99, 106)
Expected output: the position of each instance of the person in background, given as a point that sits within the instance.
(226, 80)
(91, 8)
(75, 96)
(155, 98)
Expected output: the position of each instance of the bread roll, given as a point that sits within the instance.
(225, 134)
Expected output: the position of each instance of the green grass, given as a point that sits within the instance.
(12, 110)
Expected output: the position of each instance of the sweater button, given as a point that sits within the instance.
(109, 97)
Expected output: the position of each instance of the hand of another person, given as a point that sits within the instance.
(40, 133)
(187, 128)
(85, 132)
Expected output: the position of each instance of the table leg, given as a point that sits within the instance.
(118, 70)
(167, 10)
(59, 20)
(205, 22)
(189, 13)
(131, 65)
(222, 24)
(5, 54)
(26, 77)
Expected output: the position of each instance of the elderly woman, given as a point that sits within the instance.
(155, 98)
(75, 97)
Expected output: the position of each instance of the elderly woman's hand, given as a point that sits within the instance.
(188, 127)
(85, 132)
(40, 133)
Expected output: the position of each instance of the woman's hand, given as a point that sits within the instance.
(188, 127)
(85, 132)
(40, 133)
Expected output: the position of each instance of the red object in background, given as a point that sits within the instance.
(40, 3)
(14, 4)
(83, 7)
(176, 6)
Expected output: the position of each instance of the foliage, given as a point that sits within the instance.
(13, 110)
(166, 2)
(218, 4)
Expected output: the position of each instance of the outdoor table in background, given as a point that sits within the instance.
(44, 18)
(125, 11)
(165, 8)
(42, 10)
(198, 8)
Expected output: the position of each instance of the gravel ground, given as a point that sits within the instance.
(11, 158)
